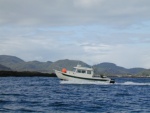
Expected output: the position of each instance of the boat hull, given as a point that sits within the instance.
(67, 77)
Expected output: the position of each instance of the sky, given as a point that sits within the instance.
(93, 31)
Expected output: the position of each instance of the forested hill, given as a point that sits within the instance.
(110, 69)
(4, 68)
(113, 69)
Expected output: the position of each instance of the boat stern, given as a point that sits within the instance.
(112, 81)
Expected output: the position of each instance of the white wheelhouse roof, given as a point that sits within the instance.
(83, 68)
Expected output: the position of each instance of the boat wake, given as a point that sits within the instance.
(133, 83)
(103, 83)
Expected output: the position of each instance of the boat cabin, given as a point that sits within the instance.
(83, 70)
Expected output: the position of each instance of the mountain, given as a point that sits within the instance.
(106, 68)
(10, 61)
(68, 64)
(109, 69)
(18, 64)
(136, 70)
(145, 73)
(113, 69)
(4, 68)
(34, 66)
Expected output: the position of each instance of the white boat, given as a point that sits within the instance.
(82, 73)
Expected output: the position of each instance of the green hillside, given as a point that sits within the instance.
(4, 68)
(106, 68)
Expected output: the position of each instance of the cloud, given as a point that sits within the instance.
(52, 49)
(96, 48)
(73, 12)
(93, 31)
(91, 44)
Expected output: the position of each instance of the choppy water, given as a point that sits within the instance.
(44, 94)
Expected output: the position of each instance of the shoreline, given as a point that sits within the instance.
(40, 74)
(25, 74)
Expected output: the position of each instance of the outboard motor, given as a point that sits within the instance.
(112, 81)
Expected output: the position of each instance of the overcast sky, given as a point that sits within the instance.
(93, 31)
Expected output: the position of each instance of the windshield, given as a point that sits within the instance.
(74, 70)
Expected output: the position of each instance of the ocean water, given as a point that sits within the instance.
(45, 94)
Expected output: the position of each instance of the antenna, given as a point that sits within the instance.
(78, 65)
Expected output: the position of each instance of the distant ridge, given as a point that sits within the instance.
(4, 68)
(10, 61)
(110, 69)
(66, 63)
(113, 69)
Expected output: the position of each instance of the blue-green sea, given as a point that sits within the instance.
(50, 95)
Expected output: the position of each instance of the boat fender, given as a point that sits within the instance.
(64, 70)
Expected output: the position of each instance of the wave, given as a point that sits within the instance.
(103, 83)
(133, 83)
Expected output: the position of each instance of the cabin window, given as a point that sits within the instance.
(79, 71)
(88, 72)
(74, 70)
(83, 71)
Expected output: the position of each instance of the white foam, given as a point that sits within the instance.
(102, 83)
(83, 82)
(132, 83)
